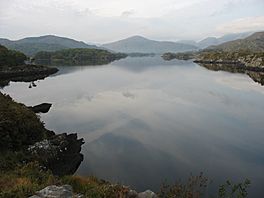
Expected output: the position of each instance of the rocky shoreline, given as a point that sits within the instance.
(59, 153)
(251, 64)
(234, 64)
(45, 154)
(26, 73)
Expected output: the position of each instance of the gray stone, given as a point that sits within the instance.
(53, 191)
(59, 153)
(147, 194)
(132, 194)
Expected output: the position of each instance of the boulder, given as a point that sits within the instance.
(59, 153)
(53, 191)
(132, 194)
(147, 194)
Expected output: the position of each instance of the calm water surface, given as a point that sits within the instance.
(145, 120)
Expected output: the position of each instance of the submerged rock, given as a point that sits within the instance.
(41, 108)
(60, 153)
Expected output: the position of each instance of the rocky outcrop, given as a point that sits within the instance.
(147, 194)
(41, 108)
(7, 72)
(24, 73)
(257, 76)
(247, 60)
(66, 191)
(59, 153)
(53, 191)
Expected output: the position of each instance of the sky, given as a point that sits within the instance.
(102, 21)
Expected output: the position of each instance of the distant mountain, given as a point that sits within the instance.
(33, 45)
(217, 41)
(138, 44)
(253, 43)
(189, 42)
(207, 42)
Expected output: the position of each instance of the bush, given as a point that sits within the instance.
(19, 126)
(11, 57)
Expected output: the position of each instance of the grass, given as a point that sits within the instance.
(25, 180)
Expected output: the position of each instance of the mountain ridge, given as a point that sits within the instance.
(32, 45)
(209, 41)
(140, 44)
(253, 43)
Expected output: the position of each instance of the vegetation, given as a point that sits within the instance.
(179, 56)
(231, 56)
(230, 190)
(18, 125)
(10, 57)
(78, 56)
(24, 180)
(195, 187)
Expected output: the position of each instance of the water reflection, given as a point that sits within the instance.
(126, 160)
(145, 120)
(255, 76)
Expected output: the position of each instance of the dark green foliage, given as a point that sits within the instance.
(194, 188)
(10, 57)
(179, 56)
(230, 190)
(78, 56)
(32, 48)
(19, 126)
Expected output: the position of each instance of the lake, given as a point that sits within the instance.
(146, 120)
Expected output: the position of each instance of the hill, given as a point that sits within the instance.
(216, 41)
(138, 44)
(253, 43)
(32, 45)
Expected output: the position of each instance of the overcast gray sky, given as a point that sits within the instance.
(108, 20)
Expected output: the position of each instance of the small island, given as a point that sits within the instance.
(77, 56)
(13, 68)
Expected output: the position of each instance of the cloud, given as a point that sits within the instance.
(127, 13)
(243, 25)
(104, 21)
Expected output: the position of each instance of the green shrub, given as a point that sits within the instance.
(11, 57)
(19, 126)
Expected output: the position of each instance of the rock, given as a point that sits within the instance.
(60, 153)
(41, 108)
(132, 194)
(147, 194)
(53, 191)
